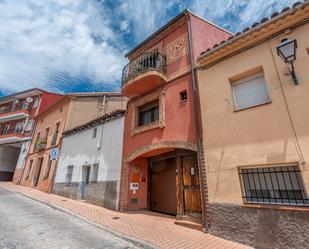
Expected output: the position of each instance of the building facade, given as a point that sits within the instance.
(256, 130)
(91, 170)
(17, 114)
(71, 111)
(160, 169)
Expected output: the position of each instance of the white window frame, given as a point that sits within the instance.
(244, 81)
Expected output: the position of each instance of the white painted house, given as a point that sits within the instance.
(90, 161)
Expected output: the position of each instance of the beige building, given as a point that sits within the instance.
(69, 112)
(256, 132)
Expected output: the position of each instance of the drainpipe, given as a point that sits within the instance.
(197, 126)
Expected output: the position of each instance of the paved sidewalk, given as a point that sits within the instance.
(157, 229)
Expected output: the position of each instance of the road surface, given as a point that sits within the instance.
(28, 224)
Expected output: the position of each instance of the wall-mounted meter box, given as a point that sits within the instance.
(134, 186)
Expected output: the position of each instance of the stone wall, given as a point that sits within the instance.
(262, 228)
(99, 193)
(69, 191)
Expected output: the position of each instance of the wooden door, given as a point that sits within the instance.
(163, 186)
(38, 172)
(191, 186)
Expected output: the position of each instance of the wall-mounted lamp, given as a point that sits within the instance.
(287, 51)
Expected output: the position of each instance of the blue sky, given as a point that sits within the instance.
(79, 45)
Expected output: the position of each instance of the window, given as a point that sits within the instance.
(6, 129)
(69, 175)
(273, 185)
(94, 133)
(94, 172)
(183, 95)
(46, 133)
(29, 125)
(35, 103)
(29, 170)
(38, 137)
(55, 136)
(249, 92)
(25, 105)
(18, 127)
(48, 167)
(148, 113)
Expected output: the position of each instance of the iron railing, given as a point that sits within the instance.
(148, 61)
(14, 108)
(274, 185)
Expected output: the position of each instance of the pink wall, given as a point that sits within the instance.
(179, 119)
(205, 35)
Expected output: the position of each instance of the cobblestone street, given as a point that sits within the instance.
(145, 227)
(28, 224)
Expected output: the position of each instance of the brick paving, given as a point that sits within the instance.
(154, 228)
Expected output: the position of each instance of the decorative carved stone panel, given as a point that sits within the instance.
(177, 48)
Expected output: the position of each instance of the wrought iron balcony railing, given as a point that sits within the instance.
(148, 61)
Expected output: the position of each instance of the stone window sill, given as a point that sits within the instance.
(147, 127)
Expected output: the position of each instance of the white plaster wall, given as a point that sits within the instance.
(81, 149)
(8, 158)
(23, 153)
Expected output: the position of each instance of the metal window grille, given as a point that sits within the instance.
(69, 176)
(273, 185)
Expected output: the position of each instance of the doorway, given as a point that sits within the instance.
(38, 172)
(163, 186)
(85, 180)
(174, 185)
(190, 187)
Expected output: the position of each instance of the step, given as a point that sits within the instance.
(189, 224)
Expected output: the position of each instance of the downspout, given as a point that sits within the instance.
(198, 128)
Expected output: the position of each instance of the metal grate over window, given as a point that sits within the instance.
(273, 185)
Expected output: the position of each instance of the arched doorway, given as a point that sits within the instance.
(164, 179)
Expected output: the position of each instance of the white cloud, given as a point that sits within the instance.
(41, 38)
(44, 39)
(237, 14)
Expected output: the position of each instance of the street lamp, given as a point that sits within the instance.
(287, 51)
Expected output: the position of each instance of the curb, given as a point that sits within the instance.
(136, 242)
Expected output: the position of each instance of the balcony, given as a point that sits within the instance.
(12, 137)
(144, 74)
(40, 145)
(13, 114)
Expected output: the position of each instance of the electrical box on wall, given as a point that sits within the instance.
(134, 186)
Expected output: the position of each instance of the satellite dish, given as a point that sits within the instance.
(29, 100)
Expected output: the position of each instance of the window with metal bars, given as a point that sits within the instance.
(273, 185)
